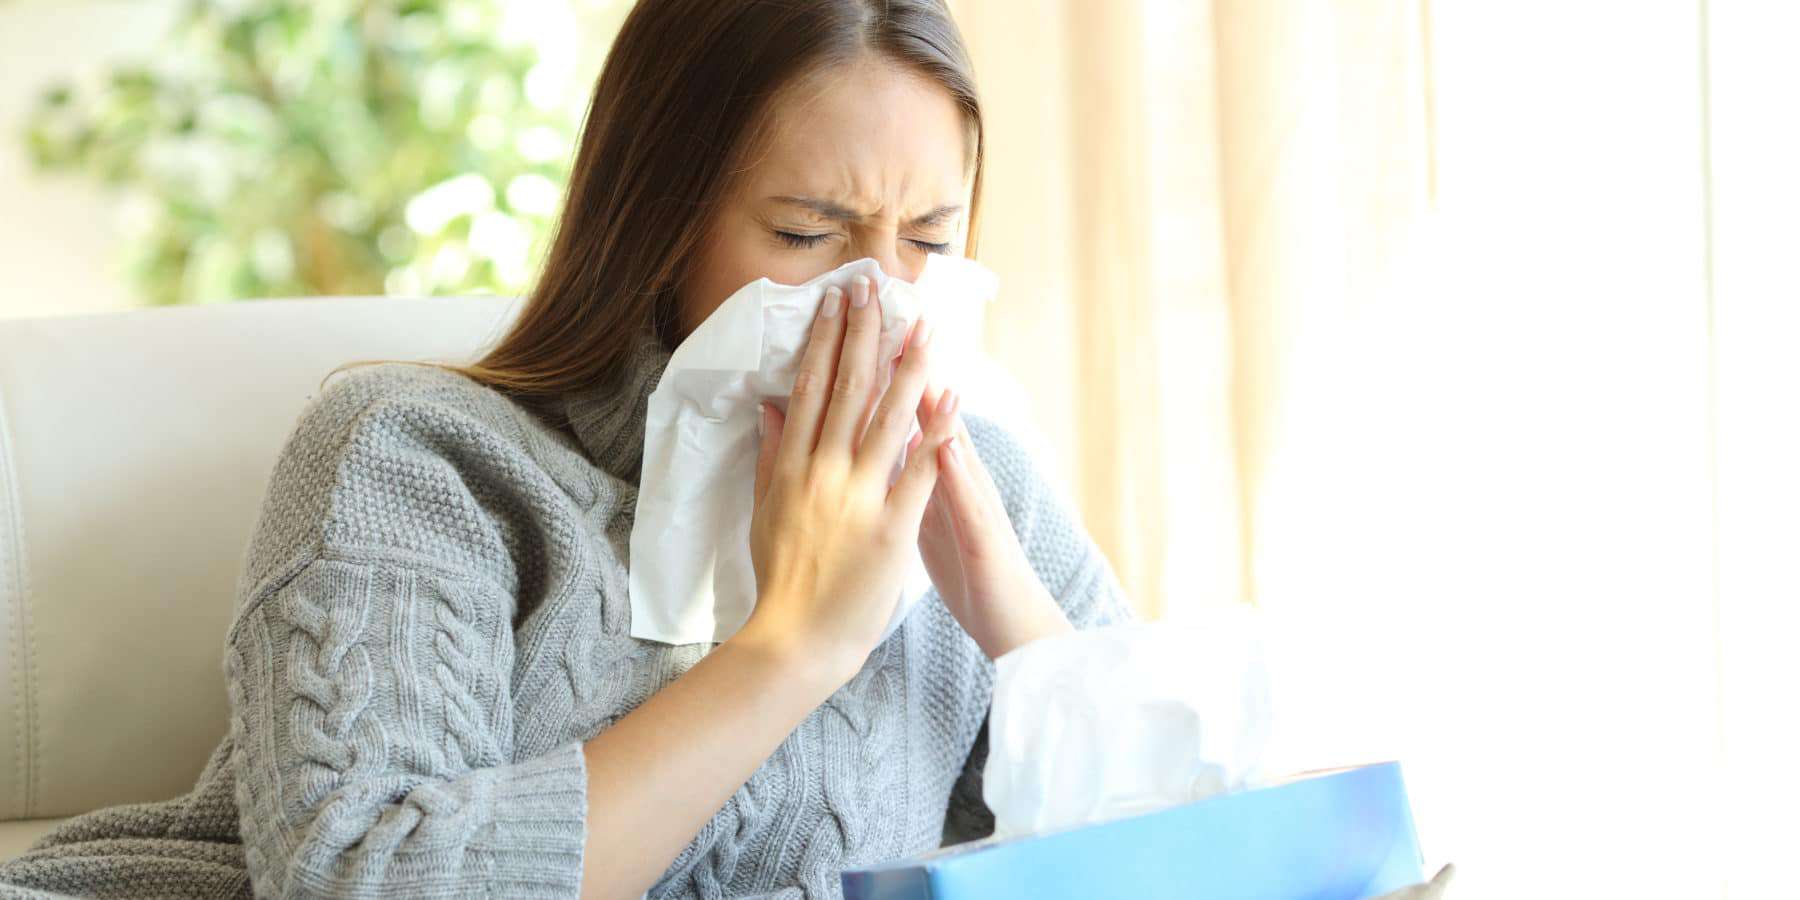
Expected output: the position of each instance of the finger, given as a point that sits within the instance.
(888, 369)
(812, 383)
(963, 504)
(936, 504)
(916, 482)
(978, 471)
(912, 446)
(928, 400)
(769, 423)
(849, 394)
(971, 513)
(965, 445)
(1442, 879)
(893, 417)
(928, 404)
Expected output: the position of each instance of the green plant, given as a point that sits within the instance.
(299, 147)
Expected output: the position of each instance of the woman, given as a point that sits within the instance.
(434, 689)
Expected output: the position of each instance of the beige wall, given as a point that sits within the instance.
(58, 236)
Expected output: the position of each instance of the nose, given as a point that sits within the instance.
(886, 251)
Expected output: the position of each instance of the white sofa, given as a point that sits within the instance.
(134, 451)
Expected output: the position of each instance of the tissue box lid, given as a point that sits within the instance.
(1343, 834)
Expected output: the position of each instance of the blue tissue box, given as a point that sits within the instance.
(1343, 834)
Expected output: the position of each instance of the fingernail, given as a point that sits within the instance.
(951, 399)
(922, 334)
(859, 295)
(762, 419)
(833, 299)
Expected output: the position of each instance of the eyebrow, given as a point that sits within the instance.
(831, 210)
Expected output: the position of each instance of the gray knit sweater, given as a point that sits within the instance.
(432, 619)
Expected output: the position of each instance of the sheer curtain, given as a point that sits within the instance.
(1179, 195)
(1112, 307)
(1459, 338)
(1754, 188)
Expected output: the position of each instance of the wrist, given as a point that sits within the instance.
(1037, 615)
(789, 650)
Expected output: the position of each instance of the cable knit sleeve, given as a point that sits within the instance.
(1069, 564)
(369, 670)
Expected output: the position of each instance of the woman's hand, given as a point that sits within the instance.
(829, 539)
(970, 549)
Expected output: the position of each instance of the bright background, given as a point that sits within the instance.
(1463, 339)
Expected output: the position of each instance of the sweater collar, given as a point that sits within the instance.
(608, 417)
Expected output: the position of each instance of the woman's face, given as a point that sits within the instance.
(867, 160)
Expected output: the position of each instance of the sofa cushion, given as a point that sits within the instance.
(134, 452)
(16, 836)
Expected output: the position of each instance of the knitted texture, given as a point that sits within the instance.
(432, 619)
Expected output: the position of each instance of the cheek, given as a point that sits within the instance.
(727, 262)
(741, 254)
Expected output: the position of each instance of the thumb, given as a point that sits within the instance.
(928, 399)
(768, 424)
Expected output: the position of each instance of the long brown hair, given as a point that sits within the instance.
(682, 100)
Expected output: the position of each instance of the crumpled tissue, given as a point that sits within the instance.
(691, 577)
(1126, 719)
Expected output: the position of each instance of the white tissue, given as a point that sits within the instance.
(1125, 719)
(691, 575)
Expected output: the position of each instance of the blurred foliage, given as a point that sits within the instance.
(300, 147)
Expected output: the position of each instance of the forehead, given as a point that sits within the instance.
(871, 133)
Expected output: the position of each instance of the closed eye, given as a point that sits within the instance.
(800, 240)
